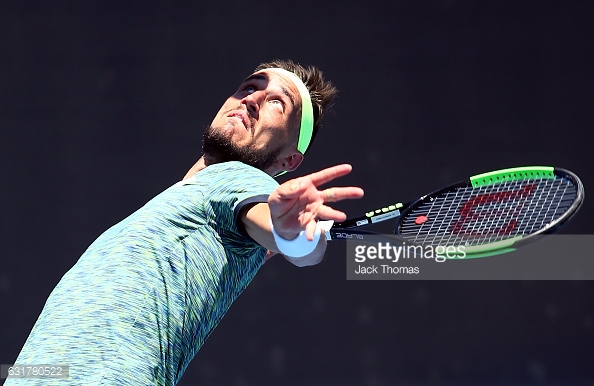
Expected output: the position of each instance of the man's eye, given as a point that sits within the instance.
(250, 89)
(277, 103)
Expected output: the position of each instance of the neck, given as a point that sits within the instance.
(203, 162)
(199, 165)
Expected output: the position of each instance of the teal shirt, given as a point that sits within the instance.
(141, 301)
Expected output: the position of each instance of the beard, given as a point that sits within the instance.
(217, 148)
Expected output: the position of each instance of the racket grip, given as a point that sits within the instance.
(325, 226)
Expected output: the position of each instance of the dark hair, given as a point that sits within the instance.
(322, 92)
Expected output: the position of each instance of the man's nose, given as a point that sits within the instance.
(252, 103)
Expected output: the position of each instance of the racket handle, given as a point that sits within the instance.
(326, 225)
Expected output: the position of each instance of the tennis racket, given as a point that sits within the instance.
(488, 213)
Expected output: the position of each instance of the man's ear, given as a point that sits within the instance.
(292, 161)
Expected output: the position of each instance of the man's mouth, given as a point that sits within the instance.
(243, 116)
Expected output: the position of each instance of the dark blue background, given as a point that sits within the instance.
(103, 105)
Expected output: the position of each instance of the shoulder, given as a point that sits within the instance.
(230, 182)
(235, 172)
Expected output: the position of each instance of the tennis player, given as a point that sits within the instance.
(143, 298)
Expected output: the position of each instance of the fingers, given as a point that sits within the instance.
(328, 213)
(343, 193)
(328, 174)
(297, 204)
(310, 229)
(294, 188)
(324, 213)
(329, 195)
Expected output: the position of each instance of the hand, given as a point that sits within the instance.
(297, 204)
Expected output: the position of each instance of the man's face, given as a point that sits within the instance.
(258, 124)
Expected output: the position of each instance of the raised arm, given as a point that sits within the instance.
(296, 206)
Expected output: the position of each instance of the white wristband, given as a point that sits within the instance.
(300, 246)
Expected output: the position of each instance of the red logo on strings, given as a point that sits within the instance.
(468, 214)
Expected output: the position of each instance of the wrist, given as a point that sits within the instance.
(289, 236)
(298, 246)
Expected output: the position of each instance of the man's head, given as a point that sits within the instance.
(260, 124)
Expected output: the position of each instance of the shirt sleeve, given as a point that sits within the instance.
(232, 186)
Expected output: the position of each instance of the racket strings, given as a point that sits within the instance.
(476, 216)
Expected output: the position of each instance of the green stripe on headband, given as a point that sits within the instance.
(307, 118)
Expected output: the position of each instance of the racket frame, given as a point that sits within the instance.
(348, 230)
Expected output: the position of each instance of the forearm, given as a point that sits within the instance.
(256, 221)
